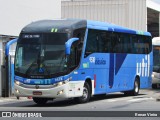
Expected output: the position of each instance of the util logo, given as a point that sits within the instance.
(143, 68)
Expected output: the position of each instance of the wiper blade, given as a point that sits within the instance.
(34, 62)
(39, 68)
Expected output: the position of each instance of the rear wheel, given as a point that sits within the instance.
(135, 90)
(86, 94)
(40, 101)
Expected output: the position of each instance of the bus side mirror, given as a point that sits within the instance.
(68, 45)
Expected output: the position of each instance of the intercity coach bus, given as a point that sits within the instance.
(72, 58)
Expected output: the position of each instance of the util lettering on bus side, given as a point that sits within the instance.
(143, 67)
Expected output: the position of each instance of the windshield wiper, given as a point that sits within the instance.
(34, 62)
(39, 63)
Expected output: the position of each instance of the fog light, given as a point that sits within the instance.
(60, 83)
(59, 92)
(17, 91)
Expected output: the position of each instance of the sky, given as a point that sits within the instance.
(158, 1)
(15, 14)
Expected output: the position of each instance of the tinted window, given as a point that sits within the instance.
(141, 44)
(92, 42)
(99, 41)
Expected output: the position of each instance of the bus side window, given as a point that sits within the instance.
(135, 44)
(105, 42)
(128, 45)
(114, 43)
(91, 45)
(148, 44)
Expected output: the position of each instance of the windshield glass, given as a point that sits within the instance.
(156, 59)
(41, 54)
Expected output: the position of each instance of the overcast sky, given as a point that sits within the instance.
(158, 1)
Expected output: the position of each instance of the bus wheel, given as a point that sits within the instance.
(135, 91)
(86, 94)
(40, 101)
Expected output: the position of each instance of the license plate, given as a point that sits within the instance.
(37, 93)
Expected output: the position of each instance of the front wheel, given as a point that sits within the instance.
(86, 94)
(40, 101)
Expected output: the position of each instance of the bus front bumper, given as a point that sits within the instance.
(74, 89)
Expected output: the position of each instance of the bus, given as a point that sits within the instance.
(74, 58)
(156, 62)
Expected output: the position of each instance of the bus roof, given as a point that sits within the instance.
(156, 41)
(113, 27)
(63, 25)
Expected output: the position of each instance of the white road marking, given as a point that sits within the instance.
(111, 100)
(128, 99)
(140, 99)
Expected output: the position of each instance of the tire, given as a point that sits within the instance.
(135, 90)
(86, 94)
(154, 86)
(40, 101)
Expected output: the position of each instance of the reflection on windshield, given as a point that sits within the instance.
(156, 58)
(43, 55)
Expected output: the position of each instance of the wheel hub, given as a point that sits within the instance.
(85, 93)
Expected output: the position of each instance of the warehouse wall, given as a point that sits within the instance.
(128, 13)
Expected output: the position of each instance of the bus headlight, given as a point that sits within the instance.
(59, 83)
(17, 82)
(62, 82)
(152, 75)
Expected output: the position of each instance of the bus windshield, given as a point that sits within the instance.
(156, 60)
(41, 54)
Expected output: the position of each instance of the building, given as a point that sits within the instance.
(15, 14)
(136, 14)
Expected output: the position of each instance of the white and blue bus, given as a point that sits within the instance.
(156, 63)
(73, 58)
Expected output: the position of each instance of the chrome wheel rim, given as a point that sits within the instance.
(136, 87)
(85, 93)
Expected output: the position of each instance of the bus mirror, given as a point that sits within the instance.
(68, 45)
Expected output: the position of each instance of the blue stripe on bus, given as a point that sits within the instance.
(119, 61)
(111, 70)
